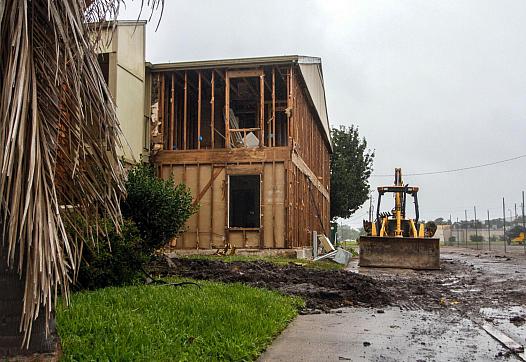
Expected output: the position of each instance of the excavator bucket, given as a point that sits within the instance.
(399, 252)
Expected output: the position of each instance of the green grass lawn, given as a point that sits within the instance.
(163, 323)
(278, 260)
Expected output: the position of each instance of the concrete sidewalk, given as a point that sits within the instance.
(392, 334)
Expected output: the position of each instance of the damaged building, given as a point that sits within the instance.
(250, 138)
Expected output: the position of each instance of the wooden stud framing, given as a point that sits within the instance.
(298, 179)
(161, 108)
(227, 109)
(199, 87)
(262, 110)
(185, 106)
(172, 115)
(212, 110)
(273, 144)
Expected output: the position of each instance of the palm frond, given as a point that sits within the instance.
(58, 139)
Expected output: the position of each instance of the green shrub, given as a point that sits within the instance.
(158, 207)
(116, 259)
(154, 212)
(452, 239)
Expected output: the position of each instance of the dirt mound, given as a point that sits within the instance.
(321, 289)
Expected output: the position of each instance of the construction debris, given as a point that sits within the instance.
(328, 251)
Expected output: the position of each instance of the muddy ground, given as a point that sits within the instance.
(322, 290)
(466, 282)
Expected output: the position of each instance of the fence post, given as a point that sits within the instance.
(489, 233)
(504, 223)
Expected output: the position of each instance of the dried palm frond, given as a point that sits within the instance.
(58, 138)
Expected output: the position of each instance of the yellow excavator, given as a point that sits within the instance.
(395, 241)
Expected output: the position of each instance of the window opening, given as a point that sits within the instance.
(244, 201)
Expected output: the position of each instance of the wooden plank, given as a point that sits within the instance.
(218, 211)
(212, 110)
(505, 340)
(244, 73)
(211, 239)
(280, 215)
(161, 109)
(240, 155)
(185, 106)
(262, 110)
(302, 166)
(244, 169)
(199, 87)
(273, 107)
(227, 110)
(172, 115)
(289, 107)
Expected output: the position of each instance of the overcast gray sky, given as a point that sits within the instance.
(432, 85)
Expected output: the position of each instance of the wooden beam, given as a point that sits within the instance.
(185, 114)
(289, 107)
(199, 86)
(273, 107)
(222, 155)
(302, 166)
(244, 73)
(227, 111)
(172, 115)
(212, 110)
(161, 108)
(262, 110)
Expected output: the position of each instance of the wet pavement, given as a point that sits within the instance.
(438, 316)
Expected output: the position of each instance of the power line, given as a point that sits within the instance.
(456, 169)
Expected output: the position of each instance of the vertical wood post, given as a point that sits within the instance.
(199, 87)
(489, 233)
(161, 109)
(262, 110)
(212, 110)
(227, 110)
(504, 222)
(289, 106)
(185, 112)
(172, 115)
(273, 144)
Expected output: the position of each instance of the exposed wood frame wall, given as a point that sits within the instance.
(300, 169)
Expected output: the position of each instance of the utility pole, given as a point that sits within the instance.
(515, 220)
(504, 222)
(489, 233)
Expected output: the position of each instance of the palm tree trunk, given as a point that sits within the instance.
(11, 297)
